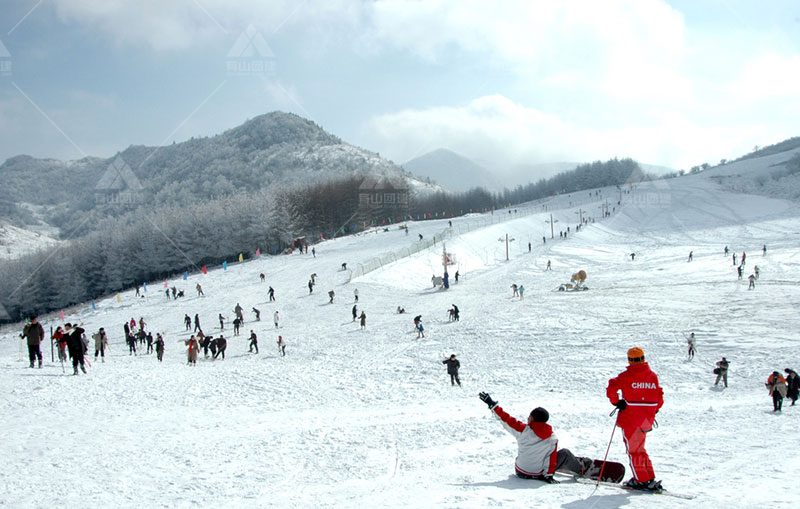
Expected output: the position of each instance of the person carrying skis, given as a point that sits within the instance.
(159, 347)
(75, 345)
(275, 319)
(690, 342)
(538, 455)
(641, 398)
(100, 343)
(253, 341)
(722, 371)
(792, 385)
(34, 333)
(776, 385)
(281, 346)
(453, 366)
(363, 319)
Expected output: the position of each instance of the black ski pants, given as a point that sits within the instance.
(34, 352)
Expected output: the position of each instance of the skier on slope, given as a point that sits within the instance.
(271, 294)
(258, 314)
(275, 319)
(187, 322)
(690, 342)
(281, 346)
(253, 341)
(642, 397)
(538, 456)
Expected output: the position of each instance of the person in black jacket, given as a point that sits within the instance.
(452, 369)
(34, 332)
(75, 346)
(792, 384)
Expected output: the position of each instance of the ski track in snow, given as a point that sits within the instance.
(367, 418)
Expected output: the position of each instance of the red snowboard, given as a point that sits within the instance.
(612, 472)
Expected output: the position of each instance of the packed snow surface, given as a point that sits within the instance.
(368, 418)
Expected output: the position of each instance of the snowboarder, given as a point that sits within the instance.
(363, 318)
(722, 371)
(271, 294)
(221, 322)
(514, 290)
(690, 255)
(34, 333)
(642, 397)
(159, 347)
(538, 456)
(355, 312)
(76, 347)
(690, 342)
(191, 352)
(281, 346)
(275, 319)
(236, 324)
(776, 385)
(187, 322)
(330, 295)
(792, 385)
(752, 280)
(100, 343)
(453, 366)
(199, 290)
(355, 294)
(521, 292)
(196, 323)
(253, 341)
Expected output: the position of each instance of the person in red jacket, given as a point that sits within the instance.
(642, 397)
(538, 455)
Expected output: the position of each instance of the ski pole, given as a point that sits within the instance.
(603, 466)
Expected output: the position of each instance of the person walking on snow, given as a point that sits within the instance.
(690, 255)
(331, 295)
(355, 294)
(34, 333)
(271, 294)
(159, 347)
(792, 385)
(196, 322)
(192, 350)
(420, 330)
(514, 290)
(752, 280)
(739, 271)
(744, 256)
(75, 345)
(756, 271)
(237, 322)
(726, 251)
(734, 258)
(239, 312)
(221, 322)
(275, 319)
(456, 313)
(100, 343)
(281, 346)
(722, 371)
(690, 342)
(641, 398)
(776, 385)
(453, 366)
(199, 290)
(764, 250)
(548, 265)
(310, 287)
(253, 341)
(363, 318)
(521, 292)
(187, 322)
(538, 455)
(355, 312)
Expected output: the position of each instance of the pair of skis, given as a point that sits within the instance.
(684, 496)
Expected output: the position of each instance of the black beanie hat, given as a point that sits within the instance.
(539, 414)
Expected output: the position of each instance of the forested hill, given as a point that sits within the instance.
(275, 148)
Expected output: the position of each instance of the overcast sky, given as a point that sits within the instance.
(672, 83)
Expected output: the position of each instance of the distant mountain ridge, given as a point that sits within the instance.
(273, 149)
(451, 170)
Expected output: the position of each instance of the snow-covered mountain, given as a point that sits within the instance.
(452, 171)
(16, 242)
(367, 418)
(272, 149)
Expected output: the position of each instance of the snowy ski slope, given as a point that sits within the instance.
(353, 418)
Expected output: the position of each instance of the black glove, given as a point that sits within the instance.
(621, 405)
(488, 400)
(546, 478)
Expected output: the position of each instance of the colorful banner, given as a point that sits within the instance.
(62, 315)
(185, 275)
(241, 258)
(118, 300)
(203, 268)
(94, 308)
(225, 265)
(165, 284)
(258, 252)
(144, 286)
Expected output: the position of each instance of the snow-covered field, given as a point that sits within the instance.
(367, 418)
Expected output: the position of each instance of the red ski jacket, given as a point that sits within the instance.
(639, 387)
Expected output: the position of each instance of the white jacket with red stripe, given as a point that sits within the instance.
(538, 446)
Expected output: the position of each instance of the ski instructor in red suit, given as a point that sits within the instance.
(642, 397)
